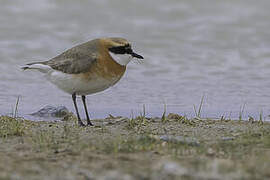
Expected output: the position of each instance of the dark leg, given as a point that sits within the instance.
(78, 115)
(86, 111)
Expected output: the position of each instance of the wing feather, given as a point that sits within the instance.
(78, 59)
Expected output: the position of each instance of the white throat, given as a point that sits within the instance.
(122, 59)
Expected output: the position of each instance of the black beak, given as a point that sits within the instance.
(133, 54)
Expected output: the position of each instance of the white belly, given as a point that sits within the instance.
(77, 84)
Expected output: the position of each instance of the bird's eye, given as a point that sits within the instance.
(128, 50)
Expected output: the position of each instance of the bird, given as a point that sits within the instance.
(87, 68)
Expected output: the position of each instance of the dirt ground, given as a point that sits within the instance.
(171, 147)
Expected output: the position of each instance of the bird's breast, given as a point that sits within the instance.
(105, 68)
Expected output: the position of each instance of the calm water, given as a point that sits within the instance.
(220, 49)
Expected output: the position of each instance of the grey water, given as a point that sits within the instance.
(192, 48)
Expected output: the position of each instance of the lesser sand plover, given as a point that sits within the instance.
(88, 68)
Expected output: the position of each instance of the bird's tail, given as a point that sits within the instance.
(38, 66)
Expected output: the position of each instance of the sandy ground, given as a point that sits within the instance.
(172, 147)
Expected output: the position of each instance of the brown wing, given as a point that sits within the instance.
(76, 60)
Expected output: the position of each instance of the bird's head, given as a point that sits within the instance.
(120, 50)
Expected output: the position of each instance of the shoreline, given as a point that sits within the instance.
(139, 148)
(232, 115)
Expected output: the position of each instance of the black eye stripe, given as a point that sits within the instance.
(120, 49)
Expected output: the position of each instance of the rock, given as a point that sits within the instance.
(210, 152)
(227, 138)
(180, 139)
(167, 169)
(116, 120)
(51, 111)
(172, 168)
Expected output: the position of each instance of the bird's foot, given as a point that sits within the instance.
(89, 123)
(81, 124)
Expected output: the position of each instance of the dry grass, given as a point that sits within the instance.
(136, 148)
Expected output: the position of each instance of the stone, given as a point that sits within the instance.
(180, 139)
(173, 168)
(227, 138)
(51, 111)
